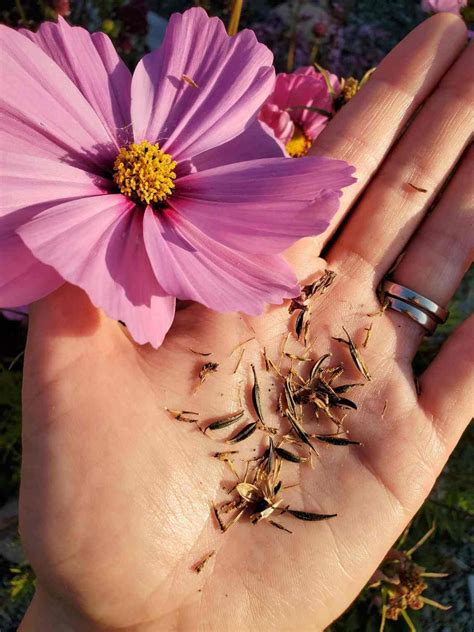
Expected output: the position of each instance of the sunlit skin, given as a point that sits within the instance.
(114, 506)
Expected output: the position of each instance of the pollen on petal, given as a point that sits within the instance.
(144, 173)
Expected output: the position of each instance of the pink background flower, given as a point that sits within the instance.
(440, 6)
(305, 87)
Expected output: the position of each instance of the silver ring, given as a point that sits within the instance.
(435, 311)
(415, 313)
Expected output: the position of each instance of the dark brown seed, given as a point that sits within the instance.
(345, 387)
(420, 189)
(279, 526)
(270, 464)
(307, 515)
(317, 366)
(336, 440)
(256, 396)
(199, 353)
(207, 369)
(289, 397)
(225, 421)
(197, 568)
(286, 455)
(299, 322)
(246, 432)
(298, 430)
(345, 403)
(355, 355)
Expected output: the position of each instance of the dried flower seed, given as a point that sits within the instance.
(286, 455)
(355, 355)
(307, 515)
(256, 396)
(336, 440)
(246, 432)
(299, 322)
(225, 421)
(317, 366)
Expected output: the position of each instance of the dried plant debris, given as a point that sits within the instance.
(241, 355)
(199, 566)
(199, 353)
(368, 333)
(226, 421)
(183, 415)
(355, 355)
(417, 188)
(206, 370)
(319, 286)
(260, 496)
(189, 81)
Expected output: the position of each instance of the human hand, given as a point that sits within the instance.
(115, 495)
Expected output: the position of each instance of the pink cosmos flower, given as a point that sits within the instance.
(443, 6)
(288, 113)
(144, 189)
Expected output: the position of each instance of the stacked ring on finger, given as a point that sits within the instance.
(422, 310)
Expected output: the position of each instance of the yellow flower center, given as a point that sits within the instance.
(144, 173)
(299, 144)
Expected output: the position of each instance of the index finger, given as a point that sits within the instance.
(364, 130)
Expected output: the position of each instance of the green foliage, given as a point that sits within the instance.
(10, 432)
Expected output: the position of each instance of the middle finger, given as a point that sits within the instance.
(412, 175)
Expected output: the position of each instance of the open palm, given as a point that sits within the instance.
(115, 494)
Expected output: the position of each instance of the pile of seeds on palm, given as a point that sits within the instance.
(303, 394)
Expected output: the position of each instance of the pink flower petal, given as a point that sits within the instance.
(190, 265)
(23, 279)
(41, 109)
(257, 141)
(263, 206)
(28, 180)
(97, 244)
(234, 75)
(92, 64)
(279, 121)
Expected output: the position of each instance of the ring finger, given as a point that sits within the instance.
(442, 250)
